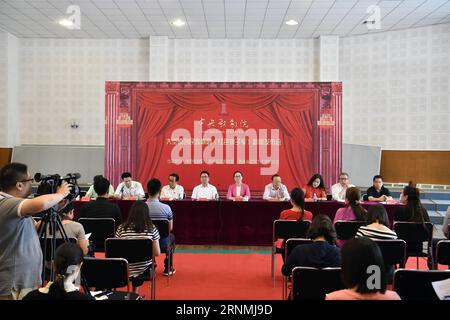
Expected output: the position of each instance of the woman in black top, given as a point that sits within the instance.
(413, 211)
(321, 253)
(67, 263)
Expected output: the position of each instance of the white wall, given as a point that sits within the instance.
(241, 60)
(396, 88)
(8, 90)
(396, 85)
(3, 89)
(64, 79)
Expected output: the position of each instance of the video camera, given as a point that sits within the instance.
(49, 183)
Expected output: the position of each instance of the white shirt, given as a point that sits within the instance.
(281, 193)
(201, 192)
(176, 193)
(338, 191)
(135, 190)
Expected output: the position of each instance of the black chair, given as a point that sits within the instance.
(443, 252)
(100, 229)
(313, 284)
(107, 274)
(416, 284)
(393, 251)
(329, 197)
(290, 245)
(163, 226)
(415, 234)
(286, 229)
(134, 251)
(346, 230)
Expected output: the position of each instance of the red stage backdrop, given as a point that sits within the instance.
(156, 128)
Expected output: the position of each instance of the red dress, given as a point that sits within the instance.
(309, 192)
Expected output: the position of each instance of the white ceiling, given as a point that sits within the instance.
(215, 18)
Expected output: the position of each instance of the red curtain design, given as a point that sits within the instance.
(291, 113)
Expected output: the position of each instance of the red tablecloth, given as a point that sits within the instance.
(231, 223)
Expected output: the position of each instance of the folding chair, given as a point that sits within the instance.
(416, 284)
(289, 246)
(314, 284)
(346, 230)
(443, 252)
(163, 226)
(286, 229)
(100, 229)
(393, 251)
(133, 251)
(415, 234)
(107, 274)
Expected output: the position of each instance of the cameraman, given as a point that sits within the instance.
(20, 250)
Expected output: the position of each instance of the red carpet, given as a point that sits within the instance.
(214, 276)
(202, 276)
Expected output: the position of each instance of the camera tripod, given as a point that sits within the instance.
(51, 224)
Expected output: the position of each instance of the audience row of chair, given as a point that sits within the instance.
(314, 284)
(109, 273)
(408, 231)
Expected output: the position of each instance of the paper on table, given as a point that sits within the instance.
(88, 235)
(442, 289)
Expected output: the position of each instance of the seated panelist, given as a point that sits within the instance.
(238, 191)
(205, 191)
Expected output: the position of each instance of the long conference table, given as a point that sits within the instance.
(226, 222)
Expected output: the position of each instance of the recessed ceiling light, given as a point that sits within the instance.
(178, 23)
(292, 22)
(66, 23)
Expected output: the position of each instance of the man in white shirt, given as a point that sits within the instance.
(205, 190)
(339, 189)
(129, 188)
(173, 190)
(276, 190)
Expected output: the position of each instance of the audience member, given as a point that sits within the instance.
(321, 253)
(413, 211)
(297, 212)
(101, 207)
(377, 227)
(238, 191)
(20, 250)
(362, 273)
(128, 188)
(205, 191)
(72, 228)
(67, 263)
(339, 189)
(276, 190)
(91, 192)
(160, 211)
(139, 225)
(353, 210)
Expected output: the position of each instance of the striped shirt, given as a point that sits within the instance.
(375, 234)
(137, 268)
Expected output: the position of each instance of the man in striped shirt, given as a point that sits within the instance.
(160, 211)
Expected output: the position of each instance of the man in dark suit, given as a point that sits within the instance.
(101, 207)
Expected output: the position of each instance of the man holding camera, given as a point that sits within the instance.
(20, 251)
